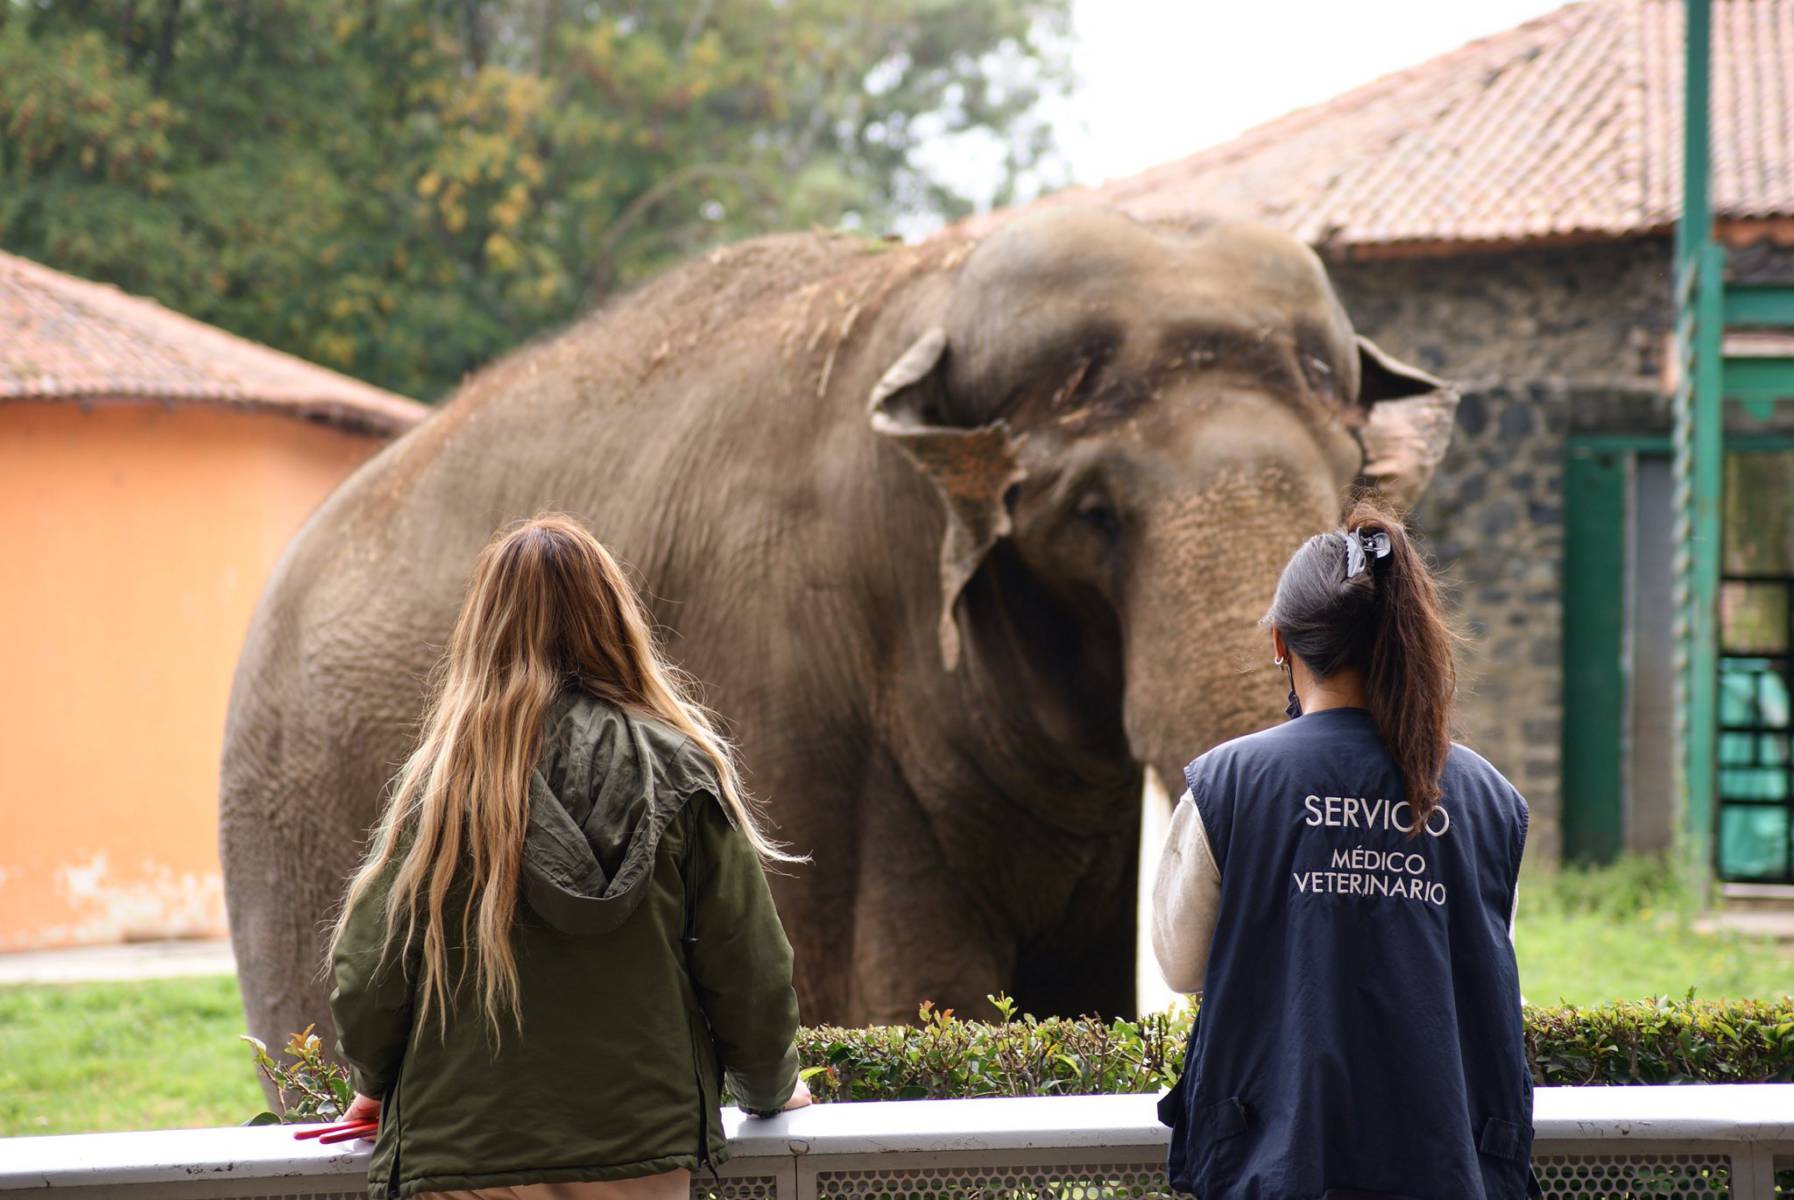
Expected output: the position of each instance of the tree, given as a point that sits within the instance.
(403, 189)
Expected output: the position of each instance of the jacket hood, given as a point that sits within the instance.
(602, 793)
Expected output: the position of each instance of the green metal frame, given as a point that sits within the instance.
(1664, 444)
(1597, 493)
(1698, 448)
(1758, 304)
(1706, 307)
(1597, 565)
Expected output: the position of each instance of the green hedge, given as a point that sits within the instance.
(1653, 1041)
(1663, 1041)
(944, 1055)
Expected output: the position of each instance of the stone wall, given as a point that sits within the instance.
(1586, 316)
(1493, 520)
(1542, 342)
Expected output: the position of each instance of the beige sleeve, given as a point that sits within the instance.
(1186, 901)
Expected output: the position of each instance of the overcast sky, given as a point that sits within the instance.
(1159, 79)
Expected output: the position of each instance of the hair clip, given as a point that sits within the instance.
(1361, 548)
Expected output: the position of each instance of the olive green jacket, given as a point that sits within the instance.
(629, 1019)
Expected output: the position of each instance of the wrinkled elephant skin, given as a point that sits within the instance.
(959, 539)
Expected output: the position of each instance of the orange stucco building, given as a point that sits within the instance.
(151, 470)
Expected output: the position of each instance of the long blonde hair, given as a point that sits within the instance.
(547, 607)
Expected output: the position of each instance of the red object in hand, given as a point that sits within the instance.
(342, 1131)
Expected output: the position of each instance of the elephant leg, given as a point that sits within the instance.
(294, 811)
(814, 791)
(280, 956)
(1086, 964)
(282, 939)
(919, 934)
(816, 905)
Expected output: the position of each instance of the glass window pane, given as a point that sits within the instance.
(1753, 749)
(1772, 699)
(1753, 617)
(1753, 843)
(1752, 692)
(1737, 691)
(1759, 513)
(1738, 750)
(1772, 749)
(1753, 783)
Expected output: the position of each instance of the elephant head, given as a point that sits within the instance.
(1147, 422)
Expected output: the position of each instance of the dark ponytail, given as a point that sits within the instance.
(1387, 622)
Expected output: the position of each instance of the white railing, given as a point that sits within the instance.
(1664, 1142)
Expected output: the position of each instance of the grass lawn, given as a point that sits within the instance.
(156, 1054)
(164, 1053)
(1580, 958)
(1626, 932)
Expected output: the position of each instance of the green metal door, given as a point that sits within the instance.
(1594, 689)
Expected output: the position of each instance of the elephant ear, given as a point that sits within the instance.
(1407, 426)
(970, 468)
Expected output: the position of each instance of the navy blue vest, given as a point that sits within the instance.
(1360, 1031)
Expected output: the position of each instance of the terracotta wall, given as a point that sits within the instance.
(134, 540)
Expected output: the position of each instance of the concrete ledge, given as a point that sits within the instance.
(1719, 1116)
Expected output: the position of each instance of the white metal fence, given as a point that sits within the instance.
(1665, 1143)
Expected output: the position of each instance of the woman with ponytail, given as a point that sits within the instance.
(1340, 891)
(561, 940)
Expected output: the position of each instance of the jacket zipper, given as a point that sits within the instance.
(398, 1139)
(697, 1077)
(688, 937)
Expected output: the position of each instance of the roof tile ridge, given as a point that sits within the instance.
(1557, 133)
(1598, 123)
(1634, 169)
(116, 304)
(1490, 126)
(1473, 114)
(1751, 178)
(1660, 49)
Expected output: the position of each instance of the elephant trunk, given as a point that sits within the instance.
(1198, 662)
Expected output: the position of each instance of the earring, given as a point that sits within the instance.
(1293, 709)
(1278, 661)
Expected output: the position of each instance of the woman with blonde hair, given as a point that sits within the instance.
(562, 939)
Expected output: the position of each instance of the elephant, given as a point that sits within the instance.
(959, 538)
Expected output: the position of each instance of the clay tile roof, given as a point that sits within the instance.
(1568, 127)
(65, 338)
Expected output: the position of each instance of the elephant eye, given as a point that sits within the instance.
(1094, 510)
